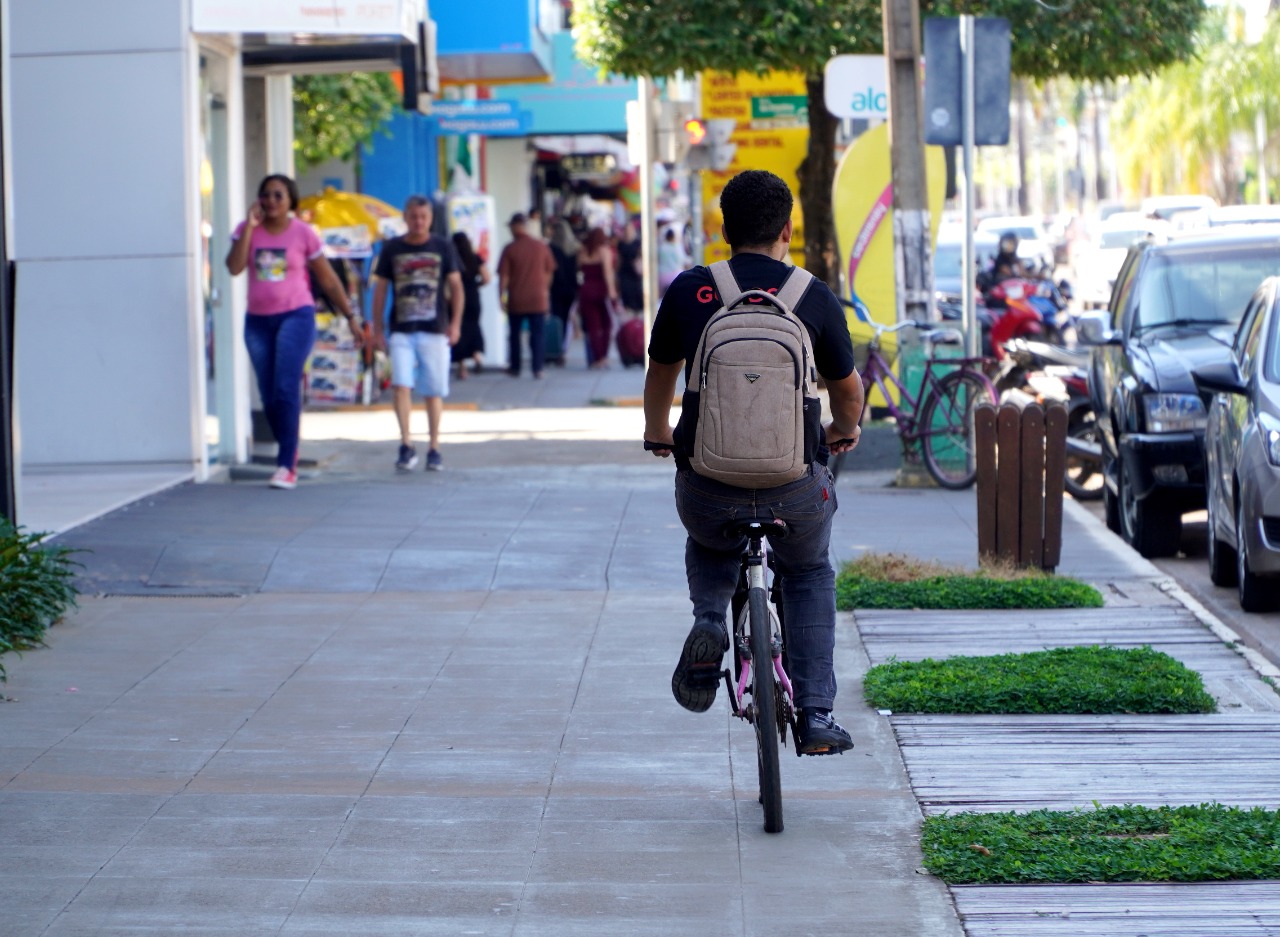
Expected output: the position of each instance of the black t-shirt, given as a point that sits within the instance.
(692, 298)
(417, 273)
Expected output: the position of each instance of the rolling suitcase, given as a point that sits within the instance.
(554, 341)
(631, 341)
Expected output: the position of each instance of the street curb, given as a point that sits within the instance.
(1220, 629)
(1216, 626)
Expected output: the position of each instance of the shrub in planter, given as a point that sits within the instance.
(36, 588)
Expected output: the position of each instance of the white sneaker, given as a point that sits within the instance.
(284, 478)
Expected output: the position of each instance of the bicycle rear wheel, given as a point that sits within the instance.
(946, 428)
(766, 713)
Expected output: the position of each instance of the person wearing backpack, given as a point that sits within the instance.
(751, 335)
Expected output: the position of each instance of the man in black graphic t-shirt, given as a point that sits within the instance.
(423, 271)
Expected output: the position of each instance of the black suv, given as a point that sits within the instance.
(1175, 306)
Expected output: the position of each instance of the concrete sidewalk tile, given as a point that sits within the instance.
(431, 901)
(440, 570)
(500, 808)
(317, 570)
(477, 834)
(275, 861)
(582, 908)
(238, 566)
(616, 774)
(193, 806)
(323, 772)
(448, 773)
(421, 865)
(126, 771)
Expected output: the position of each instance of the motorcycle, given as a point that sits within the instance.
(1044, 372)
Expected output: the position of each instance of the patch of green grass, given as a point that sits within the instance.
(1205, 843)
(894, 581)
(1067, 680)
(36, 588)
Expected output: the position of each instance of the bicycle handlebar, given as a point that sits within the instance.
(929, 332)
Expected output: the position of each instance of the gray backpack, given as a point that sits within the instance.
(758, 419)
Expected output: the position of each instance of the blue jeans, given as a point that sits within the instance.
(712, 561)
(278, 348)
(537, 339)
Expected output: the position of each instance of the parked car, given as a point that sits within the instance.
(948, 276)
(1175, 307)
(1033, 242)
(1167, 207)
(1242, 456)
(1097, 266)
(1223, 215)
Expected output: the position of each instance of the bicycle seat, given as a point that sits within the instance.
(756, 526)
(942, 336)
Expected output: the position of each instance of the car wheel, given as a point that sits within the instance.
(1110, 502)
(1256, 593)
(1222, 559)
(1146, 525)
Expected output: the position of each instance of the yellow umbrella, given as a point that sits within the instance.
(334, 209)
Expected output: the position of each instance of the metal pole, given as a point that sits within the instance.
(966, 255)
(648, 246)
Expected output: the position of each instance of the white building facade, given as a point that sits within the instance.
(138, 131)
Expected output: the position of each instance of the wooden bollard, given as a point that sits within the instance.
(1021, 461)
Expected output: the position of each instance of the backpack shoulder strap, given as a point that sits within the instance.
(793, 290)
(726, 282)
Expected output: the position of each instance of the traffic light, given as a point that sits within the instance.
(710, 143)
(695, 130)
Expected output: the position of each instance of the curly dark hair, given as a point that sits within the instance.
(756, 206)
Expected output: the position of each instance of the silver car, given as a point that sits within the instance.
(1242, 456)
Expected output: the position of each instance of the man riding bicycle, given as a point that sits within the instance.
(756, 206)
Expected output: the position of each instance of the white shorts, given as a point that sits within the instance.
(420, 360)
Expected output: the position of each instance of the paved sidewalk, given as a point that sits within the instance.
(440, 704)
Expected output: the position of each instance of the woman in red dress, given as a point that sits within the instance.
(598, 291)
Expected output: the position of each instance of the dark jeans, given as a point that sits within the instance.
(712, 561)
(278, 348)
(537, 339)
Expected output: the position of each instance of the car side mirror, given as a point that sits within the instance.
(1094, 330)
(1221, 377)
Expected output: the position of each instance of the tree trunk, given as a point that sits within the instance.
(817, 174)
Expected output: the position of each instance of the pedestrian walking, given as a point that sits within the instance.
(672, 260)
(630, 267)
(524, 281)
(564, 284)
(280, 327)
(757, 224)
(423, 271)
(475, 274)
(599, 290)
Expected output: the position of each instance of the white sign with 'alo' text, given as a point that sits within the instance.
(857, 86)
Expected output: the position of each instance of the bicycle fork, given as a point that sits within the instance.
(756, 564)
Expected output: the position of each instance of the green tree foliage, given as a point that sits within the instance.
(1093, 39)
(1173, 130)
(333, 115)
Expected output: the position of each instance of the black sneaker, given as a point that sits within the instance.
(697, 676)
(407, 458)
(821, 735)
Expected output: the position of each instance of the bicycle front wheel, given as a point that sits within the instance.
(946, 428)
(766, 714)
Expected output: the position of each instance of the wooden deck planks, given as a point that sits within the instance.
(1216, 909)
(1002, 762)
(920, 634)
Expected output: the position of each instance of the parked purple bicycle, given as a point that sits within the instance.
(940, 419)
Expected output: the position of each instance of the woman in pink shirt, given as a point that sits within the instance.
(280, 327)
